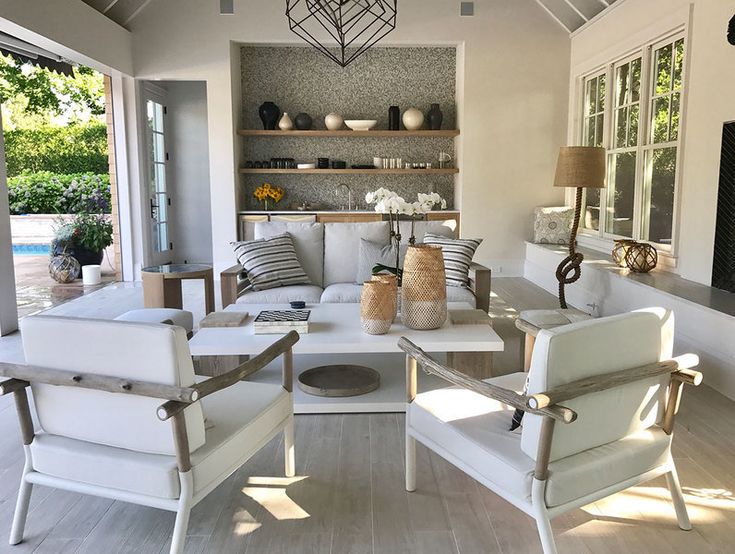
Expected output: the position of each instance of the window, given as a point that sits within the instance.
(157, 167)
(637, 119)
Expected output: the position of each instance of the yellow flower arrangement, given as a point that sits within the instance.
(266, 191)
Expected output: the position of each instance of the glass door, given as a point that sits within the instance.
(159, 199)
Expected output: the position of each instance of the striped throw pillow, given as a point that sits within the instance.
(270, 263)
(457, 255)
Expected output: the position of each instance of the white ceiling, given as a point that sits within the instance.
(121, 12)
(570, 14)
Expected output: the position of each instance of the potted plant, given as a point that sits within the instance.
(85, 237)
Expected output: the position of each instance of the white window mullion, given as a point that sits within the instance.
(642, 198)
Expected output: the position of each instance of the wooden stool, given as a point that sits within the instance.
(533, 321)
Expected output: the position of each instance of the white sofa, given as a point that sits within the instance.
(329, 254)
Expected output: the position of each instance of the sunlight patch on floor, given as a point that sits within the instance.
(270, 493)
(244, 523)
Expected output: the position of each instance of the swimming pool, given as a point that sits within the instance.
(30, 249)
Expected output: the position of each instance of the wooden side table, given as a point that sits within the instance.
(162, 284)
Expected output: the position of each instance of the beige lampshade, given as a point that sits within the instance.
(580, 166)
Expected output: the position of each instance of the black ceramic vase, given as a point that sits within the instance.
(394, 118)
(435, 117)
(303, 122)
(269, 115)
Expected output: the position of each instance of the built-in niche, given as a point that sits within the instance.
(723, 267)
(300, 79)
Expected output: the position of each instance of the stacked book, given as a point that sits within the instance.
(277, 322)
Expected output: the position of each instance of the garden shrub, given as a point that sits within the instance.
(80, 148)
(45, 192)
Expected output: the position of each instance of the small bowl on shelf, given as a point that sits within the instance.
(361, 124)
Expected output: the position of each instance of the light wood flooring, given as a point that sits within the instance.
(348, 495)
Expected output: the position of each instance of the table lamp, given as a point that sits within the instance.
(580, 167)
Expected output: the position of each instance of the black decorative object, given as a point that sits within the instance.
(322, 163)
(723, 266)
(355, 25)
(435, 117)
(394, 118)
(269, 115)
(731, 31)
(339, 164)
(303, 122)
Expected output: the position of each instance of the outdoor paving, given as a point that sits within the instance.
(37, 291)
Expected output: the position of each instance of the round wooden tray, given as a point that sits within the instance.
(339, 380)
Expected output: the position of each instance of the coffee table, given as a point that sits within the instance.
(335, 337)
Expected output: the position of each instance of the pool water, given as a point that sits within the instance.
(30, 249)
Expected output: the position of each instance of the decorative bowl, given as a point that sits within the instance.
(361, 124)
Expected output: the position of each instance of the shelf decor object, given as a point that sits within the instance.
(580, 167)
(377, 307)
(361, 124)
(641, 257)
(356, 25)
(303, 121)
(435, 117)
(269, 114)
(424, 289)
(413, 119)
(620, 250)
(285, 124)
(333, 121)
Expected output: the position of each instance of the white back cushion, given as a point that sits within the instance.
(596, 347)
(143, 351)
(308, 241)
(445, 228)
(342, 248)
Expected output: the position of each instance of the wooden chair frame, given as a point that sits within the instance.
(177, 399)
(547, 405)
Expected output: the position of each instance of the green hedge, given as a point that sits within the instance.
(49, 193)
(63, 150)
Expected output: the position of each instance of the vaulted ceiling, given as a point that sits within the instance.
(570, 14)
(121, 12)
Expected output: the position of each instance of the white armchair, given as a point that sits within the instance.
(121, 415)
(620, 391)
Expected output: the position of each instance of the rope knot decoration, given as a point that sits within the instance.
(354, 26)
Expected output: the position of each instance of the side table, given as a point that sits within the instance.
(162, 284)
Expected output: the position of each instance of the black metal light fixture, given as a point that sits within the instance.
(354, 25)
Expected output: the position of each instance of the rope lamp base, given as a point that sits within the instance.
(570, 268)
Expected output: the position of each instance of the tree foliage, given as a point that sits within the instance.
(34, 91)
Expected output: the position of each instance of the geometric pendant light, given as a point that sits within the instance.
(354, 25)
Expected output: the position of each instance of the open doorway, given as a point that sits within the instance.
(57, 130)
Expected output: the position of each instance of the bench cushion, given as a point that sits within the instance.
(350, 293)
(241, 419)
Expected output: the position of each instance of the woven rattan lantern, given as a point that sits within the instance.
(377, 307)
(641, 257)
(424, 288)
(392, 281)
(620, 250)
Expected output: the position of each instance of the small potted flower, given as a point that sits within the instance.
(266, 192)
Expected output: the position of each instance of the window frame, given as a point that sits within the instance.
(599, 238)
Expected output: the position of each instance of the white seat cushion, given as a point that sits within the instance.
(241, 419)
(474, 429)
(350, 293)
(282, 295)
(182, 318)
(461, 294)
(340, 293)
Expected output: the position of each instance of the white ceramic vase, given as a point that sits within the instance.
(413, 119)
(285, 124)
(334, 122)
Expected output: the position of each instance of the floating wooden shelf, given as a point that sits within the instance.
(349, 134)
(449, 171)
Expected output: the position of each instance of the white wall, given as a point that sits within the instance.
(710, 103)
(188, 146)
(8, 308)
(513, 113)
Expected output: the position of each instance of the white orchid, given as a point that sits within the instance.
(379, 195)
